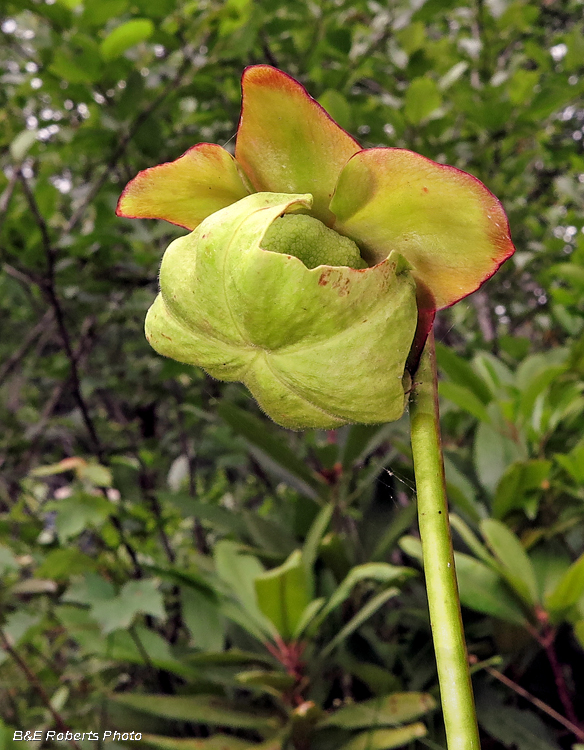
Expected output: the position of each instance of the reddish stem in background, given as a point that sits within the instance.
(289, 655)
(560, 681)
(546, 637)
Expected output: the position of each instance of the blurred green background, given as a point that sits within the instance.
(172, 562)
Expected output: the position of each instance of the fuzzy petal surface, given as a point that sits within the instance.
(448, 226)
(286, 142)
(316, 347)
(185, 191)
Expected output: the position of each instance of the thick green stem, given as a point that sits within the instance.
(443, 601)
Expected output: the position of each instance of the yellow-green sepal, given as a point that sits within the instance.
(449, 227)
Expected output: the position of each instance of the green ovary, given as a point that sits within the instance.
(312, 242)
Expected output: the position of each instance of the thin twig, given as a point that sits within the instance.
(570, 726)
(49, 288)
(78, 355)
(41, 327)
(36, 684)
(26, 278)
(140, 646)
(6, 196)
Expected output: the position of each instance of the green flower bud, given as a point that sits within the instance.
(275, 299)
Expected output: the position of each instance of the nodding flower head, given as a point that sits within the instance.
(313, 268)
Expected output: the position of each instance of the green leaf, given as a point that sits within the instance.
(514, 728)
(464, 399)
(550, 99)
(337, 107)
(7, 561)
(183, 576)
(239, 571)
(461, 492)
(480, 587)
(96, 474)
(97, 12)
(77, 62)
(453, 75)
(402, 520)
(76, 513)
(519, 479)
(141, 646)
(219, 518)
(273, 683)
(386, 710)
(232, 656)
(21, 145)
(18, 624)
(90, 589)
(530, 391)
(201, 615)
(422, 99)
(203, 709)
(135, 597)
(269, 535)
(573, 462)
(283, 594)
(312, 542)
(270, 450)
(307, 616)
(362, 440)
(521, 86)
(384, 739)
(483, 590)
(569, 589)
(550, 561)
(125, 36)
(516, 565)
(462, 373)
(379, 572)
(472, 542)
(215, 742)
(412, 37)
(61, 564)
(494, 373)
(357, 620)
(492, 453)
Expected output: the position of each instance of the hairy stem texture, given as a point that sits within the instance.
(442, 589)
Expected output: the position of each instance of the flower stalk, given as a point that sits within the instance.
(441, 585)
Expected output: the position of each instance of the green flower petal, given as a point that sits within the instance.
(184, 191)
(286, 142)
(316, 347)
(449, 227)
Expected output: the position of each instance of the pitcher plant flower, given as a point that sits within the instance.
(313, 268)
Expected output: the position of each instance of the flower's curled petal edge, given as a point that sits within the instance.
(286, 142)
(185, 191)
(445, 222)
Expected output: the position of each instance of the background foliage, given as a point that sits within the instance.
(158, 535)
